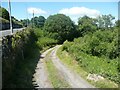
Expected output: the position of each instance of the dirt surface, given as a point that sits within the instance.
(73, 79)
(41, 76)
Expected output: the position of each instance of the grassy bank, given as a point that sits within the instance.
(70, 61)
(54, 75)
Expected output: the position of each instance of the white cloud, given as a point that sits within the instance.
(76, 12)
(36, 10)
(80, 11)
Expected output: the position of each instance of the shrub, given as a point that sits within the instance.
(96, 53)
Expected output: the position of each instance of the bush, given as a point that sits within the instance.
(100, 43)
(43, 39)
(96, 53)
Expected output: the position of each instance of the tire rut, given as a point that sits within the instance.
(71, 77)
(41, 76)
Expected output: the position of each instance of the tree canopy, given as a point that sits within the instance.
(60, 27)
(38, 21)
(105, 21)
(86, 25)
(25, 22)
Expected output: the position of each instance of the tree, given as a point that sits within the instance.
(25, 22)
(86, 25)
(38, 21)
(60, 27)
(117, 23)
(41, 21)
(4, 13)
(100, 22)
(105, 21)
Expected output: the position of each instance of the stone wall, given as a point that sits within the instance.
(14, 49)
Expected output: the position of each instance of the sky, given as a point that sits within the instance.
(23, 10)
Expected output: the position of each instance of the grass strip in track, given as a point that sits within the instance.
(54, 75)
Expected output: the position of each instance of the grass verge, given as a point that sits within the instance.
(54, 75)
(69, 61)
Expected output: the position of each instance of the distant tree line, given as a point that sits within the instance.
(36, 22)
(61, 27)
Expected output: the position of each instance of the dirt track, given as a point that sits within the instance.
(41, 77)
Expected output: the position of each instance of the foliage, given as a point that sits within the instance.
(4, 13)
(38, 21)
(89, 25)
(96, 49)
(97, 53)
(86, 25)
(15, 21)
(117, 23)
(60, 27)
(6, 24)
(20, 55)
(25, 22)
(16, 48)
(105, 21)
(76, 66)
(100, 43)
(43, 39)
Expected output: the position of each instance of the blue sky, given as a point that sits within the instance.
(22, 10)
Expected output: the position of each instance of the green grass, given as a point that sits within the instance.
(69, 60)
(54, 76)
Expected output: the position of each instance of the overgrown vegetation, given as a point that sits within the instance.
(97, 52)
(15, 50)
(100, 44)
(20, 56)
(74, 65)
(94, 45)
(44, 40)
